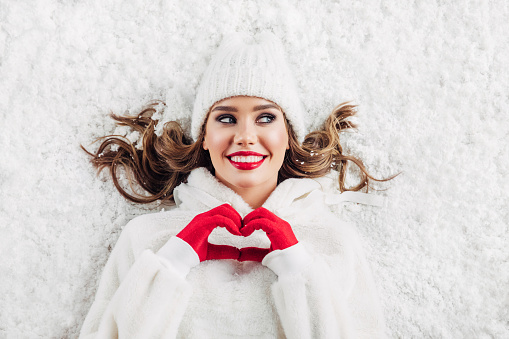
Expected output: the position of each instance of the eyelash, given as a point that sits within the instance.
(224, 116)
(272, 117)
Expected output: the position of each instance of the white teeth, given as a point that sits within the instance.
(250, 158)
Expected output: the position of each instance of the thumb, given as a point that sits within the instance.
(253, 254)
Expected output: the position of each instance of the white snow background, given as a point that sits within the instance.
(431, 81)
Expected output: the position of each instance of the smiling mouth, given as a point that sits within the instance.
(250, 158)
(246, 160)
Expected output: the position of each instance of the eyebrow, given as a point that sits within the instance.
(234, 109)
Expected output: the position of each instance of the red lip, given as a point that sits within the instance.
(246, 165)
(245, 154)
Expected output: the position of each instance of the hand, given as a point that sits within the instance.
(253, 254)
(197, 232)
(278, 231)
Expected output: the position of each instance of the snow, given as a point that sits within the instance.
(431, 81)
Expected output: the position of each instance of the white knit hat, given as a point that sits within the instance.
(243, 67)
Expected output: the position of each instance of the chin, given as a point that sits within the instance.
(248, 182)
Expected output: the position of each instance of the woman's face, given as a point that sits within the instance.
(247, 139)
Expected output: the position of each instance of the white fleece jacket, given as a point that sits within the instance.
(144, 295)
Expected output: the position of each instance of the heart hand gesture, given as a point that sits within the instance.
(278, 231)
(197, 232)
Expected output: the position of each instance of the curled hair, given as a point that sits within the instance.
(165, 161)
(321, 152)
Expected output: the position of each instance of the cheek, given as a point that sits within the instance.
(215, 143)
(278, 142)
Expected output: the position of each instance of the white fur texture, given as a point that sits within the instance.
(431, 81)
(318, 288)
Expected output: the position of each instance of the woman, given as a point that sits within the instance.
(252, 249)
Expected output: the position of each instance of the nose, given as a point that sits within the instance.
(246, 134)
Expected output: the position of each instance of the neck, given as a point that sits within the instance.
(254, 196)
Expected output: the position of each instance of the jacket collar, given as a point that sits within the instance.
(203, 191)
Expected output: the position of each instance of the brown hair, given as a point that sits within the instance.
(165, 161)
(322, 152)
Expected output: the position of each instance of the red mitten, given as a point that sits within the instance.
(253, 254)
(286, 255)
(197, 232)
(278, 231)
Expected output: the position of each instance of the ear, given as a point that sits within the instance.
(204, 145)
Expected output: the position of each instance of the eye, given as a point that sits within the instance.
(226, 119)
(266, 118)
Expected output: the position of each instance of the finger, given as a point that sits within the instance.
(248, 229)
(259, 213)
(229, 212)
(253, 254)
(222, 252)
(221, 221)
(257, 224)
(252, 215)
(280, 234)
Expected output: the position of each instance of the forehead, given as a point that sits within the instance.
(238, 103)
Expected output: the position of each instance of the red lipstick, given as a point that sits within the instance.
(243, 165)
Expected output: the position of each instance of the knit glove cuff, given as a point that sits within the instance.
(290, 261)
(180, 255)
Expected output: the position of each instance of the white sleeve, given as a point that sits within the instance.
(362, 300)
(138, 296)
(311, 303)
